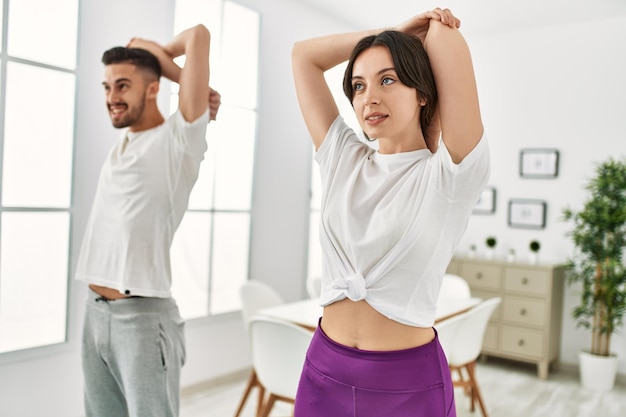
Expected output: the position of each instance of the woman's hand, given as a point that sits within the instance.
(418, 25)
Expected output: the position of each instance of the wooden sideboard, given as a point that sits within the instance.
(527, 324)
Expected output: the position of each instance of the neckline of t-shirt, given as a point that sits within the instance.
(400, 157)
(134, 135)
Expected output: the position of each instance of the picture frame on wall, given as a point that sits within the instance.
(539, 163)
(487, 202)
(527, 214)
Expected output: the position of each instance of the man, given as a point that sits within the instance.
(133, 339)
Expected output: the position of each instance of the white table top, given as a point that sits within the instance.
(307, 312)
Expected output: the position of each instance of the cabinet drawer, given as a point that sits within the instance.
(528, 281)
(453, 268)
(481, 275)
(490, 342)
(521, 342)
(524, 311)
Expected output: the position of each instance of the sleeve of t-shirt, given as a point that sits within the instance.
(466, 180)
(191, 135)
(340, 145)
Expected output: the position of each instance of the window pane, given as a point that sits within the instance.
(33, 279)
(56, 20)
(201, 197)
(208, 12)
(38, 137)
(190, 265)
(238, 78)
(230, 260)
(234, 156)
(225, 180)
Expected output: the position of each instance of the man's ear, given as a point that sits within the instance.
(153, 89)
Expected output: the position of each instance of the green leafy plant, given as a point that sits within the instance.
(599, 237)
(491, 242)
(534, 246)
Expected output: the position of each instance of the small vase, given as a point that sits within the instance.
(489, 254)
(533, 258)
(510, 257)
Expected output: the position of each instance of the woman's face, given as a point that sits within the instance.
(386, 109)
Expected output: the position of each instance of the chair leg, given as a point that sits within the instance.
(253, 381)
(267, 407)
(461, 382)
(471, 368)
(259, 405)
(467, 389)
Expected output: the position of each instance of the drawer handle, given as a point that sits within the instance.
(520, 342)
(522, 312)
(479, 275)
(524, 281)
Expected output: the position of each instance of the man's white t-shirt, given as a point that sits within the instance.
(142, 195)
(390, 222)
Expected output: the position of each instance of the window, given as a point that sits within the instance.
(36, 154)
(210, 248)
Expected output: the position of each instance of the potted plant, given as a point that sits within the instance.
(534, 247)
(599, 238)
(491, 244)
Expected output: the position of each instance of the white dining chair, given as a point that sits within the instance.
(461, 338)
(255, 295)
(454, 286)
(278, 351)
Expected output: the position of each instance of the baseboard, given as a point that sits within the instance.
(199, 387)
(566, 368)
(572, 369)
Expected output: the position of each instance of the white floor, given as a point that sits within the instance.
(509, 390)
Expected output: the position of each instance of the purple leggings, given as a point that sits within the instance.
(339, 381)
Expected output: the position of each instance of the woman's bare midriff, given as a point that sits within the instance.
(358, 325)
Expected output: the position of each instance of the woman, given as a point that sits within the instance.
(392, 217)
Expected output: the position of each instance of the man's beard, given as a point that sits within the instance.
(133, 114)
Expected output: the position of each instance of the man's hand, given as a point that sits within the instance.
(215, 100)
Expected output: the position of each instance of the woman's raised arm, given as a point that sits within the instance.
(310, 60)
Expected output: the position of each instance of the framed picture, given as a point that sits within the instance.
(487, 202)
(539, 163)
(528, 214)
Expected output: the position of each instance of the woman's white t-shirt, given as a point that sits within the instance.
(390, 222)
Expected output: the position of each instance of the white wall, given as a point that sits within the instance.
(556, 87)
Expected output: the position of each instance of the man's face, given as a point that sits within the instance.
(125, 89)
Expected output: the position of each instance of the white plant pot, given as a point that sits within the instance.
(533, 258)
(489, 254)
(597, 372)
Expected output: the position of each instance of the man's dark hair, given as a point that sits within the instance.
(411, 63)
(141, 58)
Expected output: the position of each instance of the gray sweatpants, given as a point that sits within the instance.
(133, 351)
